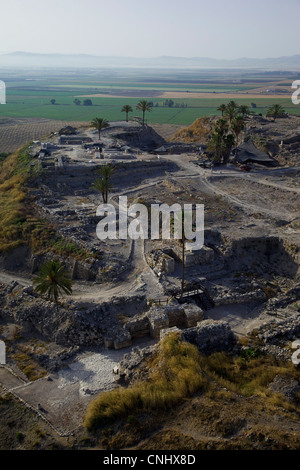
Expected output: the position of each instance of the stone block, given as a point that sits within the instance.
(205, 255)
(190, 259)
(138, 327)
(175, 315)
(122, 340)
(193, 315)
(158, 320)
(108, 342)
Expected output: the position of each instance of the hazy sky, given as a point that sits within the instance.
(138, 28)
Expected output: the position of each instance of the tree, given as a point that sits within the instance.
(99, 124)
(222, 108)
(126, 109)
(231, 110)
(87, 102)
(217, 144)
(275, 111)
(103, 185)
(106, 171)
(169, 103)
(53, 101)
(143, 106)
(237, 125)
(228, 145)
(77, 101)
(52, 280)
(244, 110)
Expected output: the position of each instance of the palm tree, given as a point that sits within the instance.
(228, 141)
(103, 187)
(144, 106)
(222, 108)
(106, 171)
(126, 109)
(275, 111)
(99, 124)
(244, 110)
(237, 125)
(104, 184)
(231, 110)
(217, 144)
(52, 280)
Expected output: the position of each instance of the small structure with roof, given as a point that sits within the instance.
(248, 153)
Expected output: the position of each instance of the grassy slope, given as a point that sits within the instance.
(216, 402)
(18, 223)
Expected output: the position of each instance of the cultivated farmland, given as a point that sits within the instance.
(14, 133)
(178, 96)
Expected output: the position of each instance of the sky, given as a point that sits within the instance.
(220, 29)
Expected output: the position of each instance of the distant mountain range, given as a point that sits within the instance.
(28, 59)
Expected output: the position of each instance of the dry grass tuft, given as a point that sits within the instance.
(175, 375)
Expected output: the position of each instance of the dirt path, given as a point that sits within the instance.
(7, 278)
(189, 169)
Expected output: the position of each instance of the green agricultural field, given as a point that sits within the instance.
(110, 108)
(31, 97)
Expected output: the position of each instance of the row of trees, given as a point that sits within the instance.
(86, 102)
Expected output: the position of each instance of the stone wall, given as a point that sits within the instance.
(237, 298)
(70, 324)
(161, 261)
(185, 315)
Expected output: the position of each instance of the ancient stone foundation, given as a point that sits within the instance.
(208, 336)
(152, 323)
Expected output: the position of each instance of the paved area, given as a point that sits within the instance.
(63, 397)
